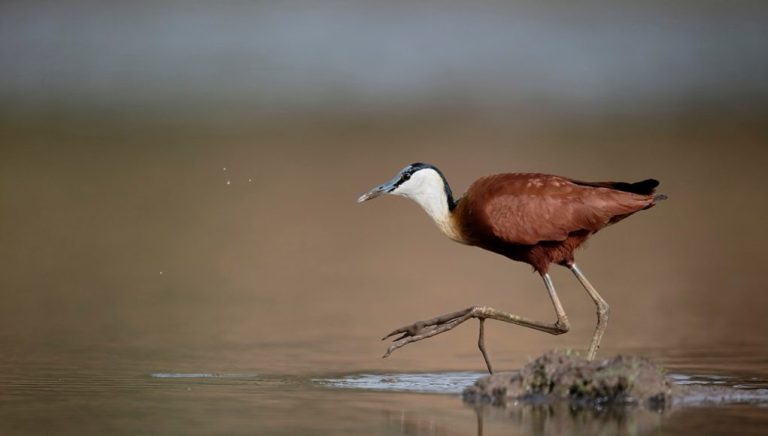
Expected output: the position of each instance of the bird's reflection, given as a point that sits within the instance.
(539, 419)
(563, 418)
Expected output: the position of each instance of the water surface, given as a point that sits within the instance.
(129, 397)
(181, 251)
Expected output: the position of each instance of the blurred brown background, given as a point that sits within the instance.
(178, 179)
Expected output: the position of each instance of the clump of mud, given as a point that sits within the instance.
(559, 375)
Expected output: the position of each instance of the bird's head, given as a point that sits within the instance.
(418, 181)
(426, 185)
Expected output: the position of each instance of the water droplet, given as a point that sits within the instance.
(224, 169)
(161, 273)
(228, 182)
(250, 180)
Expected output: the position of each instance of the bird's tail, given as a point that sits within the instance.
(659, 197)
(645, 187)
(656, 198)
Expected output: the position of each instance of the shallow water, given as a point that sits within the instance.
(130, 397)
(199, 265)
(143, 304)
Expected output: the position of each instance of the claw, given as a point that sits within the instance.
(389, 336)
(389, 351)
(426, 329)
(410, 330)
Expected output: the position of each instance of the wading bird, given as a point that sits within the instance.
(538, 219)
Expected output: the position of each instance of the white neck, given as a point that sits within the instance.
(427, 188)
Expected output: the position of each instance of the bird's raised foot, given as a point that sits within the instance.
(443, 323)
(426, 329)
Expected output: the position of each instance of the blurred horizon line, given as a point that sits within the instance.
(331, 56)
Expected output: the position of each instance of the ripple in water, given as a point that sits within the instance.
(740, 391)
(438, 383)
(199, 375)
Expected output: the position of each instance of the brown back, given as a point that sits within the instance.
(522, 208)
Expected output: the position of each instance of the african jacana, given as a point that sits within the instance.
(538, 219)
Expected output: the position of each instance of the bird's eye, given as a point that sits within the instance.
(406, 176)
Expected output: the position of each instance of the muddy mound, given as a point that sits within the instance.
(560, 375)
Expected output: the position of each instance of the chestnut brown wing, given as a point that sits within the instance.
(529, 208)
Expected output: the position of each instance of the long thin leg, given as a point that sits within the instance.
(481, 346)
(443, 323)
(602, 311)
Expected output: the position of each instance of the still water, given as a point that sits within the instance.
(135, 396)
(185, 280)
(181, 251)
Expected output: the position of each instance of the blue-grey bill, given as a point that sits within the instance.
(375, 192)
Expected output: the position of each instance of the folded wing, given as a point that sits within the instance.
(529, 208)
